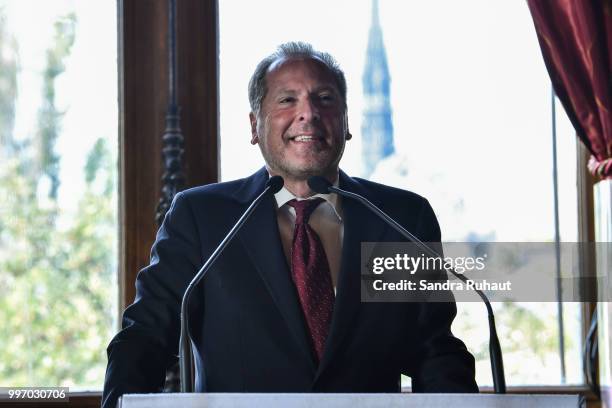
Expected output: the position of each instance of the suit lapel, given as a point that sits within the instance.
(360, 225)
(261, 239)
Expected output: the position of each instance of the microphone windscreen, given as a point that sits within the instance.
(275, 183)
(319, 184)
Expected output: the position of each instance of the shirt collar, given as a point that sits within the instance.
(284, 196)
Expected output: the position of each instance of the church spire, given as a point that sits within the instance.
(375, 18)
(377, 125)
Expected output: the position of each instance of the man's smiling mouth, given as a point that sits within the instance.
(305, 138)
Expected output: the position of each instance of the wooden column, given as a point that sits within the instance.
(143, 98)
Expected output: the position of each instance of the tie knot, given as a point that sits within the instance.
(304, 208)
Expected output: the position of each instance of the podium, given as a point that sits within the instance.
(247, 400)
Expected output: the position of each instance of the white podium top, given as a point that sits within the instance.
(244, 400)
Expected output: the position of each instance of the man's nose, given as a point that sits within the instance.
(308, 111)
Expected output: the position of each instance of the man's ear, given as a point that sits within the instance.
(254, 137)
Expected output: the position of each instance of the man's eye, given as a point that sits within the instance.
(287, 99)
(326, 97)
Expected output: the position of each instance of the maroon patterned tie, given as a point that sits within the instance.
(310, 272)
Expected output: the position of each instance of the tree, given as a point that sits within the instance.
(57, 279)
(49, 117)
(8, 88)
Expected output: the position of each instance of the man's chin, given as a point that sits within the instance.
(305, 173)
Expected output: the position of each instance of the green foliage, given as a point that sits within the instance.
(56, 284)
(533, 333)
(48, 116)
(8, 86)
(57, 266)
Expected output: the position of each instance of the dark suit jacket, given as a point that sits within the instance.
(247, 325)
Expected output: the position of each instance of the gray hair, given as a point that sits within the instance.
(257, 84)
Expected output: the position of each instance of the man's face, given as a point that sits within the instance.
(301, 127)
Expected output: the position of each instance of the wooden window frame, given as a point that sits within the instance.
(143, 98)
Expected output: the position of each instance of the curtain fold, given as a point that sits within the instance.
(576, 41)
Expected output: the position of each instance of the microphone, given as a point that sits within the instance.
(273, 186)
(321, 185)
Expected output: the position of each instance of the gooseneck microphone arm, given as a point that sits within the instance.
(274, 184)
(323, 186)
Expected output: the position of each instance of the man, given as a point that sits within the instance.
(281, 310)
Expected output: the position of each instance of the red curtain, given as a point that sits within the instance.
(576, 41)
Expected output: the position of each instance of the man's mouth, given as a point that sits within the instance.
(305, 138)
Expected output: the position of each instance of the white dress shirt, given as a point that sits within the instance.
(326, 221)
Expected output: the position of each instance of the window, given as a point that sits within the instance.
(469, 128)
(58, 192)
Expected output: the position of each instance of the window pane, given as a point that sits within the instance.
(471, 131)
(58, 191)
